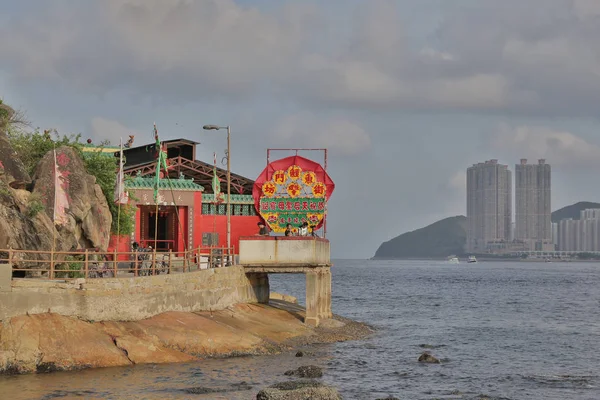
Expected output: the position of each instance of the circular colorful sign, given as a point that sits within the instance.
(292, 190)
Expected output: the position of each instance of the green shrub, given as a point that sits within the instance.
(34, 206)
(74, 264)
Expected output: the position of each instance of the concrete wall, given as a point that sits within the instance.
(295, 250)
(131, 299)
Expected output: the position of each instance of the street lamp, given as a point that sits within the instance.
(216, 128)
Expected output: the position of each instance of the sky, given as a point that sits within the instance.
(405, 94)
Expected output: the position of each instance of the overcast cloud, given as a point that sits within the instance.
(406, 94)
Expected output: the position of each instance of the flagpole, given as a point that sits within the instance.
(212, 240)
(158, 149)
(120, 174)
(55, 174)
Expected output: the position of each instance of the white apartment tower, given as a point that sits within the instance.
(489, 206)
(533, 210)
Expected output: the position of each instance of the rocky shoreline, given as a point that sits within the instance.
(51, 342)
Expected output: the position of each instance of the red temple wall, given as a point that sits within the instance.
(120, 243)
(240, 226)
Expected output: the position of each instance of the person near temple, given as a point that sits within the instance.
(303, 230)
(288, 230)
(262, 229)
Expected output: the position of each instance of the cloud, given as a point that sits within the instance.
(162, 47)
(106, 129)
(458, 181)
(586, 8)
(559, 148)
(496, 57)
(339, 135)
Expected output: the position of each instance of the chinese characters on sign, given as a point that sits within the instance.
(299, 205)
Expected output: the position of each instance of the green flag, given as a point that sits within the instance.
(161, 163)
(216, 183)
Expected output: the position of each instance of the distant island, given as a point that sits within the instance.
(448, 236)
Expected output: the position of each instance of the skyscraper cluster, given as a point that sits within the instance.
(489, 207)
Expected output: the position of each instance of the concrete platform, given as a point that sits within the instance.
(293, 255)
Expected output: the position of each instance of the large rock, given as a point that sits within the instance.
(299, 390)
(12, 170)
(427, 358)
(50, 342)
(88, 218)
(45, 342)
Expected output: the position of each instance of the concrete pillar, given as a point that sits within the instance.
(321, 294)
(327, 294)
(261, 287)
(5, 277)
(312, 298)
(318, 295)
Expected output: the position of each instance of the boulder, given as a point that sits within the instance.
(299, 390)
(428, 359)
(88, 219)
(12, 170)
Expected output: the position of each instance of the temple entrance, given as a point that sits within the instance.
(160, 230)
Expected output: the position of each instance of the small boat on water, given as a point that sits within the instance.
(453, 260)
(472, 260)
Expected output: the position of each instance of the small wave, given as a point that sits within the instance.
(562, 381)
(431, 346)
(57, 394)
(489, 397)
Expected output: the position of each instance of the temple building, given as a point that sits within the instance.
(188, 216)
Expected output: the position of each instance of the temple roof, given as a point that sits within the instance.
(181, 183)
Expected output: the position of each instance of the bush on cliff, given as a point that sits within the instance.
(32, 146)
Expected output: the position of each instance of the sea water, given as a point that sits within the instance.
(503, 330)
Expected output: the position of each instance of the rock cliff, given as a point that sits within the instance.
(27, 205)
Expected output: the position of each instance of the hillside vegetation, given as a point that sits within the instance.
(439, 239)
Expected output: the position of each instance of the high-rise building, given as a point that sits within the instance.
(533, 210)
(580, 235)
(489, 206)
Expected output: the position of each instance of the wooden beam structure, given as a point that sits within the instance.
(201, 172)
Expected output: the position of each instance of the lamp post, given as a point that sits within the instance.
(216, 127)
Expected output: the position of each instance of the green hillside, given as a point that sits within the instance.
(573, 210)
(439, 239)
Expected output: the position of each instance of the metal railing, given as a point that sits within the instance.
(91, 264)
(156, 244)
